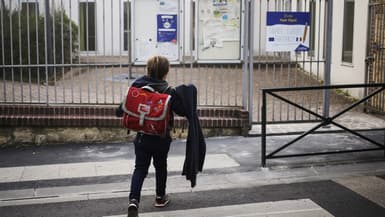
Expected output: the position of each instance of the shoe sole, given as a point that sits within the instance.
(161, 205)
(132, 212)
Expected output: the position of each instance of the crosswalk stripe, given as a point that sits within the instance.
(285, 208)
(95, 169)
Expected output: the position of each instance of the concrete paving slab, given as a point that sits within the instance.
(122, 167)
(11, 174)
(351, 169)
(213, 161)
(371, 187)
(352, 120)
(81, 189)
(42, 200)
(13, 194)
(286, 208)
(81, 170)
(92, 169)
(40, 173)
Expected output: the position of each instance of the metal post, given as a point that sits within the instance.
(328, 57)
(2, 49)
(37, 50)
(72, 74)
(129, 41)
(104, 50)
(120, 47)
(29, 56)
(251, 62)
(48, 26)
(53, 44)
(263, 130)
(245, 56)
(46, 49)
(11, 48)
(20, 54)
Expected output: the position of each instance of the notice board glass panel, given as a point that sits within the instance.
(155, 29)
(219, 30)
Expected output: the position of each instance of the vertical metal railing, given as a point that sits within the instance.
(2, 49)
(287, 69)
(375, 60)
(101, 76)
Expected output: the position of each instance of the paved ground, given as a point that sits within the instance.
(93, 180)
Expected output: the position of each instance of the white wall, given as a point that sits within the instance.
(343, 73)
(110, 33)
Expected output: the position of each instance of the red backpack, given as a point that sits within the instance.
(146, 111)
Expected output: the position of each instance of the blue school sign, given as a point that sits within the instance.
(167, 28)
(287, 31)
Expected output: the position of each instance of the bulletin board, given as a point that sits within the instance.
(219, 25)
(156, 26)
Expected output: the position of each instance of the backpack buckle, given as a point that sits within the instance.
(143, 110)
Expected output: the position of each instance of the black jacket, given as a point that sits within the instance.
(186, 105)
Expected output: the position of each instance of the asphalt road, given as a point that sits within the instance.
(350, 185)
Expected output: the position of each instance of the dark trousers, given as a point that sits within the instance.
(146, 148)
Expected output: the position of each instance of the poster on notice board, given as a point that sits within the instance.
(287, 31)
(167, 28)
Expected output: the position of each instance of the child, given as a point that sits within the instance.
(149, 147)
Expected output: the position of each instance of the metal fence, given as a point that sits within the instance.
(50, 60)
(46, 59)
(324, 121)
(376, 53)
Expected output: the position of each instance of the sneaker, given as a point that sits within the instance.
(161, 201)
(133, 208)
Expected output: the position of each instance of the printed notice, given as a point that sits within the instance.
(288, 31)
(167, 28)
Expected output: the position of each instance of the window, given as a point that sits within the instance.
(30, 7)
(87, 26)
(126, 23)
(347, 38)
(313, 17)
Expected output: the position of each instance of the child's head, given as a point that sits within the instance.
(157, 67)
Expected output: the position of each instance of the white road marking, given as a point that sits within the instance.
(285, 208)
(95, 169)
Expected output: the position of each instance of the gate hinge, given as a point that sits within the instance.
(369, 59)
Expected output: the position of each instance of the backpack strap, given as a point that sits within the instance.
(148, 88)
(168, 89)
